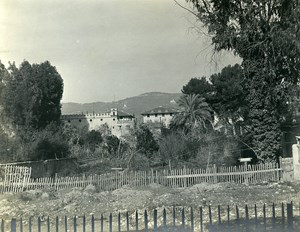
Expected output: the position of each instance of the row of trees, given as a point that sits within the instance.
(265, 35)
(259, 92)
(31, 128)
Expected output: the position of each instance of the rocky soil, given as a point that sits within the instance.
(90, 201)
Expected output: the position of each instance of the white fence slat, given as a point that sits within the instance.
(17, 178)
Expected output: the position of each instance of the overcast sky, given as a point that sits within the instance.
(108, 49)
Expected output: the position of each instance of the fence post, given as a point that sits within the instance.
(183, 220)
(210, 216)
(74, 224)
(30, 224)
(66, 224)
(185, 178)
(48, 224)
(273, 216)
(13, 225)
(282, 216)
(174, 218)
(55, 182)
(56, 223)
(281, 170)
(164, 220)
(155, 220)
(93, 223)
(289, 211)
(39, 224)
(101, 226)
(2, 225)
(215, 174)
(146, 220)
(192, 220)
(201, 218)
(219, 216)
(277, 172)
(237, 218)
(152, 176)
(127, 221)
(110, 222)
(21, 225)
(265, 217)
(136, 221)
(119, 222)
(228, 218)
(83, 223)
(247, 218)
(255, 218)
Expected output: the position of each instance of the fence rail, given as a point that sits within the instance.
(16, 179)
(275, 217)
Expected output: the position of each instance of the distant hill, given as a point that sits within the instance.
(133, 105)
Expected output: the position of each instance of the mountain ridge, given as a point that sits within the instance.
(133, 105)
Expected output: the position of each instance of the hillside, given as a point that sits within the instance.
(133, 105)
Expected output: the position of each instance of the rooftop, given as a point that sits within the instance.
(161, 110)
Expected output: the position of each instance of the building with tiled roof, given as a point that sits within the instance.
(161, 115)
(118, 121)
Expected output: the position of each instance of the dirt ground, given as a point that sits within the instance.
(90, 201)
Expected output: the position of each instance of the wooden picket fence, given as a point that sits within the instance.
(14, 178)
(172, 178)
(275, 217)
(17, 178)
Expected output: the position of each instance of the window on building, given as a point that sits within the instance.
(91, 120)
(148, 115)
(171, 114)
(155, 115)
(163, 115)
(114, 119)
(79, 120)
(69, 121)
(101, 119)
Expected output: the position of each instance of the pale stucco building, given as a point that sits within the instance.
(118, 121)
(160, 115)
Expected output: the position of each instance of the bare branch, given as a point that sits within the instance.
(177, 3)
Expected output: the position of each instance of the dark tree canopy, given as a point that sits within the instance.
(3, 77)
(32, 94)
(266, 35)
(198, 86)
(146, 143)
(228, 99)
(93, 139)
(225, 92)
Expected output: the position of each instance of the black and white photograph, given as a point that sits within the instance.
(149, 115)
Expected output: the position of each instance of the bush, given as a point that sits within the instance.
(198, 151)
(48, 148)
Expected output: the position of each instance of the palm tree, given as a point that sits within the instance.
(196, 113)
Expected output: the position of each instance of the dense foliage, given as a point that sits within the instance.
(198, 86)
(32, 94)
(265, 34)
(195, 114)
(30, 103)
(146, 143)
